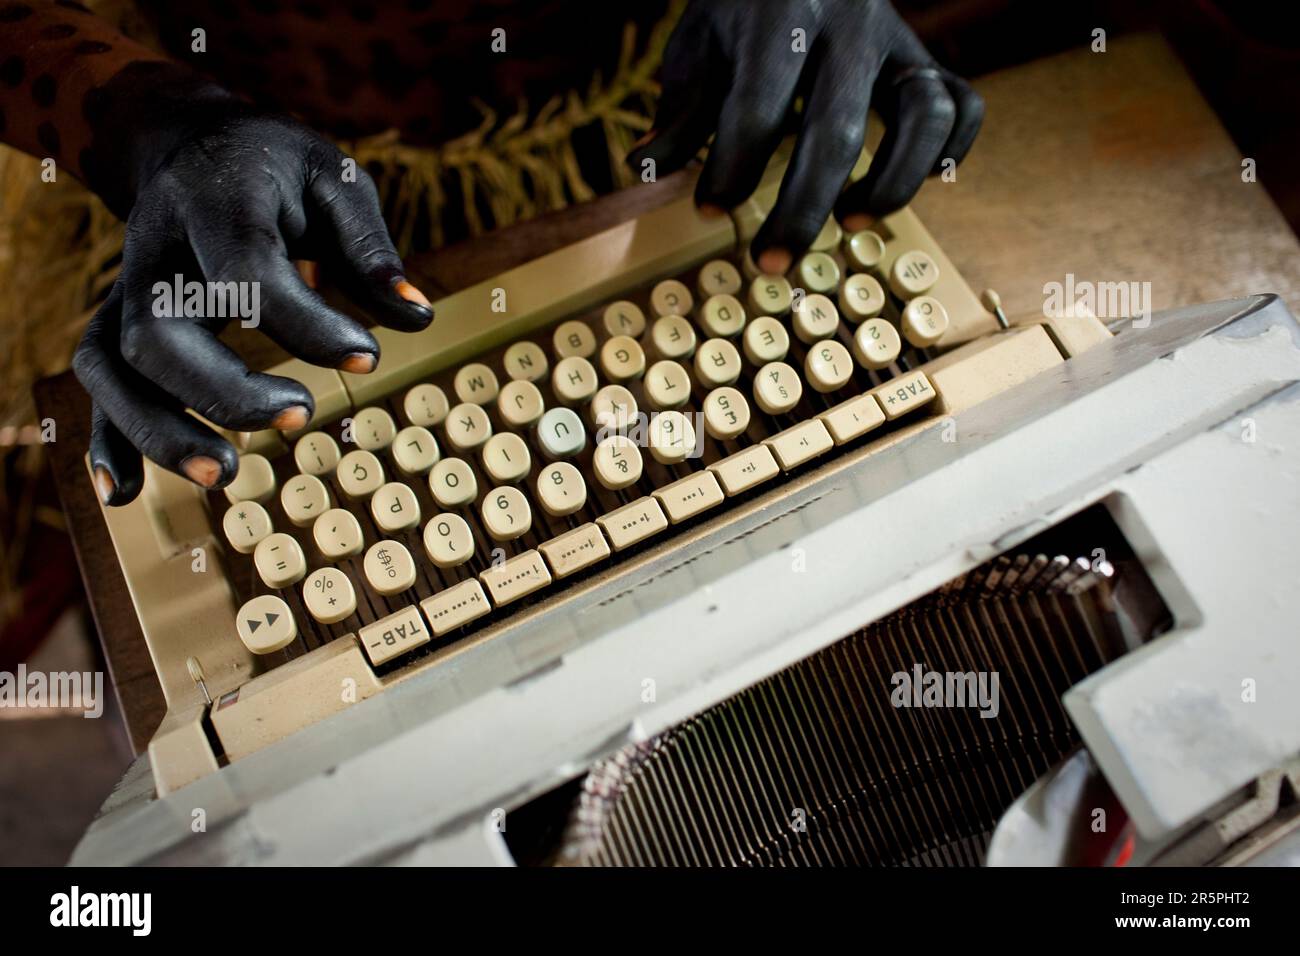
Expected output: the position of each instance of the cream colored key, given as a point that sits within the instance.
(766, 340)
(574, 338)
(876, 344)
(246, 523)
(617, 462)
(561, 489)
(304, 499)
(255, 480)
(561, 434)
(829, 237)
(525, 362)
(672, 437)
(265, 624)
(726, 413)
(393, 636)
(924, 321)
(360, 473)
(800, 443)
(853, 418)
(623, 318)
(448, 540)
(745, 469)
(373, 429)
(687, 497)
(913, 273)
(279, 560)
(516, 578)
(520, 403)
(395, 507)
(673, 337)
(818, 273)
(622, 358)
(828, 366)
(864, 250)
(316, 453)
(506, 513)
(633, 523)
(574, 550)
(506, 458)
(667, 385)
(861, 297)
(574, 380)
(415, 450)
(476, 383)
(903, 394)
(722, 316)
(389, 567)
(329, 595)
(452, 483)
(770, 295)
(815, 319)
(468, 427)
(455, 607)
(670, 297)
(717, 363)
(425, 405)
(777, 388)
(337, 534)
(718, 277)
(613, 408)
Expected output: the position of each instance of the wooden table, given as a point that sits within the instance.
(1110, 167)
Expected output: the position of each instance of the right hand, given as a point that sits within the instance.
(235, 199)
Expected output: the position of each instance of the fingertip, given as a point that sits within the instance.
(411, 294)
(856, 222)
(203, 470)
(775, 261)
(291, 419)
(104, 485)
(359, 363)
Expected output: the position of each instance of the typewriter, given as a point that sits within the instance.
(625, 559)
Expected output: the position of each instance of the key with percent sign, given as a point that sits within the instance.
(329, 595)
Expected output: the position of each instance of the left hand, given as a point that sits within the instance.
(734, 67)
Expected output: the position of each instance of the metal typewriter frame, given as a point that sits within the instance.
(428, 770)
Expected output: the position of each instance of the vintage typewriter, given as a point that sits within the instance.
(617, 561)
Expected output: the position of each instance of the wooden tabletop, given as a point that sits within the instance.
(1108, 166)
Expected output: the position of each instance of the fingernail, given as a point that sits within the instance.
(411, 294)
(310, 272)
(774, 261)
(104, 484)
(359, 363)
(856, 222)
(291, 419)
(710, 211)
(202, 470)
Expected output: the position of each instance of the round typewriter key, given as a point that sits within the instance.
(246, 523)
(476, 383)
(913, 273)
(520, 403)
(255, 480)
(818, 272)
(672, 437)
(304, 499)
(574, 380)
(829, 237)
(722, 316)
(623, 318)
(717, 363)
(617, 462)
(828, 366)
(574, 338)
(770, 295)
(468, 427)
(667, 385)
(777, 388)
(766, 340)
(389, 567)
(561, 489)
(815, 319)
(861, 297)
(670, 297)
(613, 408)
(718, 277)
(924, 321)
(673, 337)
(316, 453)
(279, 560)
(359, 473)
(561, 434)
(425, 405)
(525, 362)
(415, 450)
(337, 534)
(329, 595)
(266, 625)
(726, 413)
(447, 540)
(865, 250)
(506, 513)
(622, 358)
(452, 483)
(876, 344)
(394, 507)
(506, 458)
(373, 429)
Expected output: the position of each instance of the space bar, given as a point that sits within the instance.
(580, 276)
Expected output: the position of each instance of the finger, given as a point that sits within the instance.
(363, 260)
(922, 118)
(115, 462)
(970, 116)
(829, 144)
(294, 316)
(142, 413)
